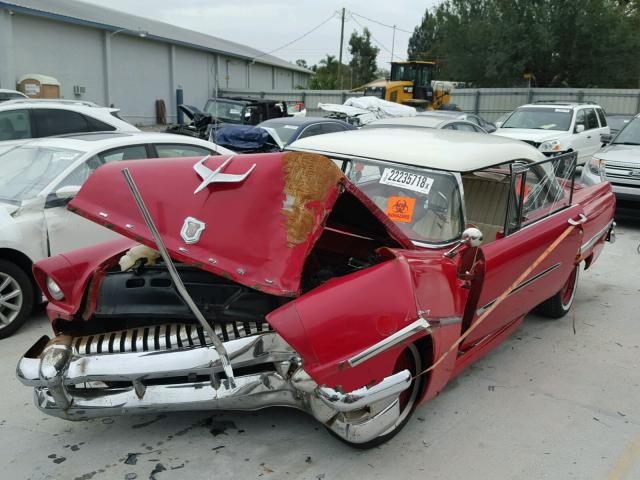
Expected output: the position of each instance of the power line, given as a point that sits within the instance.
(380, 23)
(376, 40)
(333, 15)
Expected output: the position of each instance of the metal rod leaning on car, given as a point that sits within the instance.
(178, 284)
(572, 224)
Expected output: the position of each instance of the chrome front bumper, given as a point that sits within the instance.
(75, 386)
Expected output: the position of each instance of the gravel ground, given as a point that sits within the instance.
(547, 403)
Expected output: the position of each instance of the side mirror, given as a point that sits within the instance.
(606, 138)
(62, 196)
(68, 192)
(579, 128)
(491, 127)
(471, 236)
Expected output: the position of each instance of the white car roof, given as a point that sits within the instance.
(559, 105)
(99, 141)
(438, 149)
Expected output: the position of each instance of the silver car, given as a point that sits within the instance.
(619, 163)
(37, 180)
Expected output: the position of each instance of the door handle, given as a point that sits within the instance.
(582, 219)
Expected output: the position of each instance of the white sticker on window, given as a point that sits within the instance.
(407, 180)
(562, 110)
(291, 127)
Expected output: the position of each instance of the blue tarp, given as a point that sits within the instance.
(240, 137)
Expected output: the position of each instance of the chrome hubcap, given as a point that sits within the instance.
(10, 299)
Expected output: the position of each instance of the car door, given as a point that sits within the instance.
(579, 141)
(592, 132)
(538, 213)
(68, 231)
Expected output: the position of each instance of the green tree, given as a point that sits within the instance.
(363, 58)
(301, 62)
(593, 43)
(326, 74)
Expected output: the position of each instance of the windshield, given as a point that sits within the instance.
(419, 74)
(424, 204)
(285, 132)
(630, 135)
(27, 170)
(9, 96)
(225, 111)
(540, 118)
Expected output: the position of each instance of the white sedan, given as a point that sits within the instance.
(37, 180)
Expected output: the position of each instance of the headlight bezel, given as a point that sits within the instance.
(597, 167)
(550, 146)
(54, 289)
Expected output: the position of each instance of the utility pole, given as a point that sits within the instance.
(340, 56)
(393, 42)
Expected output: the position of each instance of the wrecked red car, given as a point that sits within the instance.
(328, 278)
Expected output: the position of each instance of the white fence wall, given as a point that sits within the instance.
(491, 103)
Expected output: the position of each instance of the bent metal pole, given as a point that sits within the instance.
(177, 281)
(572, 224)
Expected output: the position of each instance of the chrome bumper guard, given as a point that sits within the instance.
(73, 386)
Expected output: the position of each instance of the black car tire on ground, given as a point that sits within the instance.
(14, 279)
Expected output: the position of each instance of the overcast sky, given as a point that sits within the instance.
(269, 24)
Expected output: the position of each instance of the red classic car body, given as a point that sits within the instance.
(277, 233)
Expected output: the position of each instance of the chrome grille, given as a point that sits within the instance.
(162, 337)
(623, 170)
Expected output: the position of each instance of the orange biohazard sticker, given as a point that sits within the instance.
(400, 209)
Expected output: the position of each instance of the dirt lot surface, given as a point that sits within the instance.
(546, 404)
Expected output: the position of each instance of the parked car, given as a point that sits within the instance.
(469, 117)
(439, 122)
(619, 163)
(27, 118)
(292, 128)
(244, 110)
(10, 95)
(37, 180)
(617, 122)
(283, 281)
(558, 127)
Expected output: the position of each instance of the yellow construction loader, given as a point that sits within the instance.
(412, 83)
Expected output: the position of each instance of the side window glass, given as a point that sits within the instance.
(463, 127)
(601, 117)
(168, 150)
(133, 152)
(311, 131)
(331, 128)
(581, 119)
(50, 122)
(97, 125)
(592, 119)
(15, 125)
(473, 119)
(545, 188)
(450, 126)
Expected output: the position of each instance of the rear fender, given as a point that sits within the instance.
(345, 316)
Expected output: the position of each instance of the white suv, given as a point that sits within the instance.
(27, 118)
(558, 127)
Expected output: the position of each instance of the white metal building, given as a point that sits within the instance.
(111, 57)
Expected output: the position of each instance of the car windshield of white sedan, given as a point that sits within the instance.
(27, 170)
(537, 118)
(424, 204)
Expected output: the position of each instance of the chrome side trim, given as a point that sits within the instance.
(526, 283)
(589, 243)
(420, 325)
(365, 396)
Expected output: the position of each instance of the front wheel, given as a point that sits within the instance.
(409, 360)
(560, 304)
(16, 298)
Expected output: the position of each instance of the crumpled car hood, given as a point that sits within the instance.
(257, 232)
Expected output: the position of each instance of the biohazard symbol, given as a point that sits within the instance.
(400, 209)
